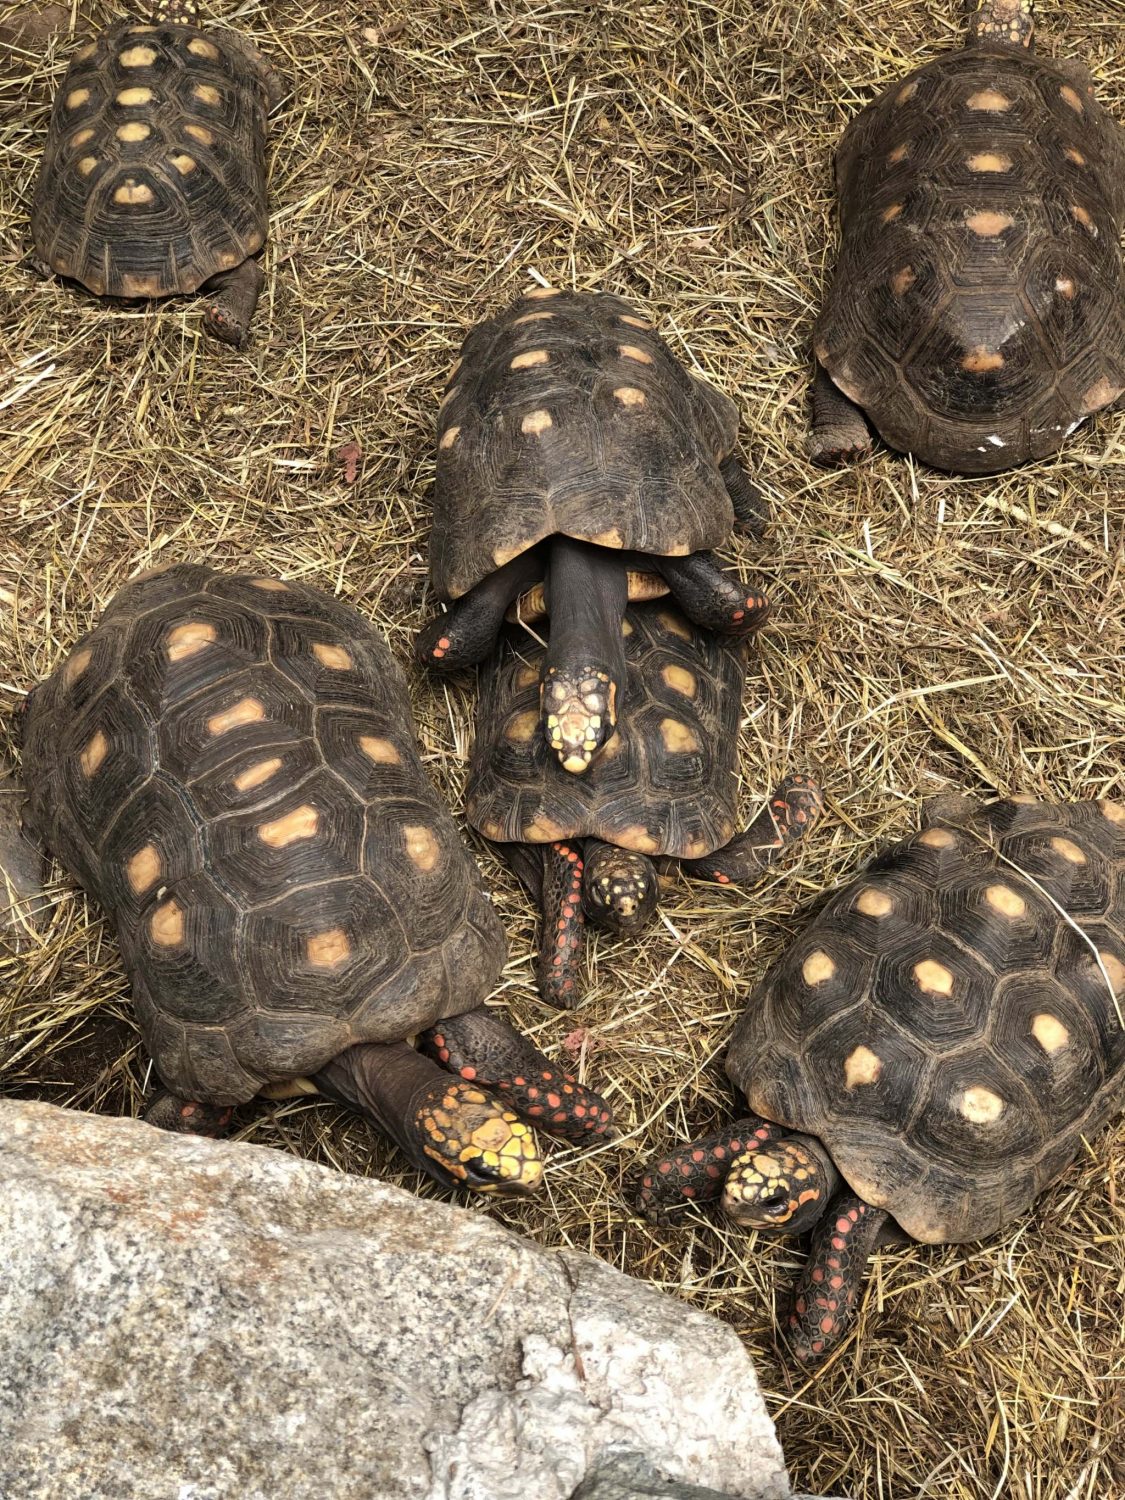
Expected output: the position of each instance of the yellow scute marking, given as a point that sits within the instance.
(381, 751)
(143, 869)
(988, 223)
(134, 96)
(269, 585)
(327, 949)
(990, 161)
(245, 711)
(206, 94)
(1100, 394)
(631, 351)
(679, 679)
(137, 57)
(992, 101)
(1072, 97)
(97, 748)
(135, 130)
(536, 422)
(529, 359)
(1114, 811)
(331, 656)
(862, 1067)
(874, 903)
(131, 191)
(421, 845)
(200, 47)
(301, 823)
(257, 774)
(200, 133)
(1069, 851)
(1049, 1032)
(818, 967)
(980, 1106)
(521, 729)
(980, 361)
(679, 738)
(167, 925)
(77, 664)
(629, 395)
(77, 97)
(937, 838)
(1007, 902)
(1116, 971)
(449, 437)
(183, 163)
(189, 639)
(933, 977)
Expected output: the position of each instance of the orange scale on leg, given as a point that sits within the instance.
(689, 1192)
(713, 1172)
(664, 1168)
(559, 1117)
(817, 1274)
(579, 1109)
(467, 1073)
(554, 1101)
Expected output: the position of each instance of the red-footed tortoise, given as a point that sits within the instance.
(153, 180)
(977, 311)
(575, 449)
(931, 1053)
(665, 784)
(227, 763)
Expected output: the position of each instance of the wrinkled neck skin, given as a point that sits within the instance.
(1008, 23)
(784, 1187)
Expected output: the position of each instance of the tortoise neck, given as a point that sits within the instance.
(1007, 22)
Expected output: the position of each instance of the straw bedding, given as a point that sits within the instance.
(430, 162)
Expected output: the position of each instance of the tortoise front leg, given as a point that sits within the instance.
(553, 874)
(793, 810)
(232, 297)
(710, 596)
(751, 509)
(187, 1116)
(484, 1047)
(451, 1128)
(697, 1172)
(840, 431)
(827, 1295)
(469, 629)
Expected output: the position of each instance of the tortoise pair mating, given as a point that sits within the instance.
(153, 180)
(228, 765)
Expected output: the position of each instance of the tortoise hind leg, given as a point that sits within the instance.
(751, 510)
(469, 629)
(826, 1298)
(711, 596)
(484, 1047)
(187, 1116)
(232, 297)
(794, 808)
(840, 431)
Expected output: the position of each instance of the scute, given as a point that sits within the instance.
(555, 425)
(977, 176)
(113, 209)
(1004, 1043)
(262, 876)
(518, 791)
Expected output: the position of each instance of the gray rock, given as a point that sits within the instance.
(623, 1474)
(184, 1319)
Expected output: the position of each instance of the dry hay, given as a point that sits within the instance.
(431, 161)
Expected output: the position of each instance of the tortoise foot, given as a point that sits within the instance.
(187, 1116)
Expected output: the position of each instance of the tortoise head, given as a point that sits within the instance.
(1009, 22)
(468, 1139)
(784, 1186)
(173, 12)
(619, 887)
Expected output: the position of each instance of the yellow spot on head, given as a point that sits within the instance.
(1006, 901)
(257, 774)
(334, 657)
(200, 133)
(990, 161)
(135, 130)
(301, 823)
(206, 93)
(631, 351)
(818, 967)
(937, 838)
(980, 1106)
(1069, 851)
(143, 869)
(992, 101)
(97, 748)
(137, 57)
(1072, 97)
(449, 437)
(988, 223)
(862, 1067)
(980, 361)
(536, 422)
(1049, 1032)
(134, 96)
(327, 949)
(933, 977)
(76, 97)
(77, 664)
(382, 752)
(422, 847)
(629, 395)
(167, 925)
(188, 640)
(874, 903)
(183, 163)
(245, 711)
(679, 739)
(529, 359)
(200, 47)
(680, 680)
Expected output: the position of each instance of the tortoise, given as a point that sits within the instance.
(977, 312)
(933, 1050)
(153, 180)
(576, 450)
(227, 764)
(666, 784)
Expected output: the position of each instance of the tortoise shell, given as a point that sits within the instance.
(666, 783)
(567, 413)
(977, 312)
(153, 179)
(228, 765)
(950, 1024)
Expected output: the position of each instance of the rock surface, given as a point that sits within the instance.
(194, 1320)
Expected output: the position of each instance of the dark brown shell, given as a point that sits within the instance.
(228, 765)
(666, 783)
(161, 214)
(977, 311)
(566, 414)
(944, 1031)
